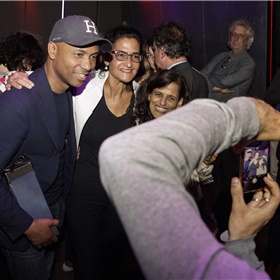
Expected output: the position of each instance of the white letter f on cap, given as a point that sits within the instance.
(90, 26)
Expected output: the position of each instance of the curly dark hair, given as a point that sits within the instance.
(21, 51)
(160, 79)
(122, 31)
(174, 38)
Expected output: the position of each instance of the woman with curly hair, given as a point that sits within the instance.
(20, 51)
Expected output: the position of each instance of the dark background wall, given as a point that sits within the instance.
(206, 21)
(275, 40)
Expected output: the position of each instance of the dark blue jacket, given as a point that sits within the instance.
(29, 125)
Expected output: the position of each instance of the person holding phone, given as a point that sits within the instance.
(167, 234)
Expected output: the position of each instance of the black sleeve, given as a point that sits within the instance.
(272, 95)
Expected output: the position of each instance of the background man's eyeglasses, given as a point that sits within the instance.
(122, 56)
(237, 35)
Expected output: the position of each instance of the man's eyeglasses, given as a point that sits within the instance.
(237, 35)
(122, 56)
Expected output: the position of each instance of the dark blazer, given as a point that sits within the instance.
(29, 125)
(196, 82)
(272, 96)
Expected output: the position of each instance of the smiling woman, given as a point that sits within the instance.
(103, 109)
(164, 100)
(163, 92)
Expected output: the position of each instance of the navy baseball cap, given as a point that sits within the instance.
(78, 31)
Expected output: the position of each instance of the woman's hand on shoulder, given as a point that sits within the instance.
(19, 80)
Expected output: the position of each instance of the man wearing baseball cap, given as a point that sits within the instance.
(39, 124)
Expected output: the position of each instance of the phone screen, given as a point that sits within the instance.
(254, 166)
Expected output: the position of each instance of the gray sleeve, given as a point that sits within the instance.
(243, 71)
(143, 170)
(243, 249)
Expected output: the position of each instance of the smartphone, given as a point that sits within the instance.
(254, 165)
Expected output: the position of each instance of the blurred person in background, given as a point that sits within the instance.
(20, 51)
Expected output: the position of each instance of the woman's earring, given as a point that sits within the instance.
(106, 67)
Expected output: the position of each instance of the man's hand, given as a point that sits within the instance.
(247, 220)
(19, 80)
(40, 234)
(222, 90)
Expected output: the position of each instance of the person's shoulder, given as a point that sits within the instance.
(24, 94)
(16, 100)
(184, 69)
(246, 55)
(38, 74)
(196, 71)
(198, 74)
(227, 53)
(246, 59)
(220, 55)
(15, 93)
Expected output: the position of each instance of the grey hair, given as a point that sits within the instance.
(250, 33)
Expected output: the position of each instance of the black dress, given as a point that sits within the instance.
(95, 231)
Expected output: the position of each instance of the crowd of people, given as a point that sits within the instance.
(150, 193)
